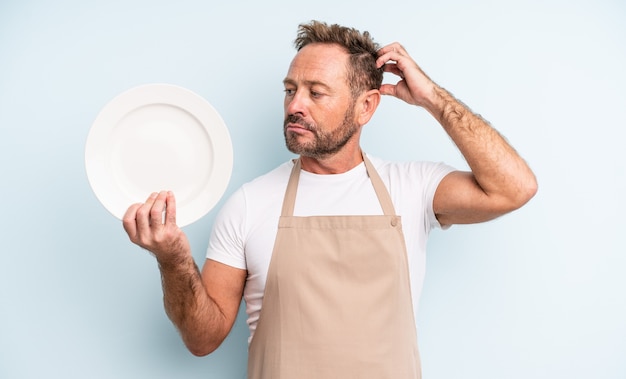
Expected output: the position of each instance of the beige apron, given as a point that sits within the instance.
(337, 301)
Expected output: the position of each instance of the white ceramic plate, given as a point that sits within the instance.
(159, 137)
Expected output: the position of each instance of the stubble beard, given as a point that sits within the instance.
(324, 144)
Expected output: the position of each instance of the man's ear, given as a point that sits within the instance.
(366, 106)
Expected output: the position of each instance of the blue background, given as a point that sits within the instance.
(536, 294)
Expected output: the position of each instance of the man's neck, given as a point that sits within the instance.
(338, 163)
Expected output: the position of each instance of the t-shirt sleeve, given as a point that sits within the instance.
(432, 174)
(226, 244)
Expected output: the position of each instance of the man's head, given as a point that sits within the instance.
(362, 72)
(331, 89)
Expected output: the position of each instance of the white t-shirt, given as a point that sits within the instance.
(245, 229)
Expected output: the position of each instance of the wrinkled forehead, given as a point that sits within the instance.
(319, 62)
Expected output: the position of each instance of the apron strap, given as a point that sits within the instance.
(379, 187)
(289, 200)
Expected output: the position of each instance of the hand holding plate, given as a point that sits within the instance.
(147, 227)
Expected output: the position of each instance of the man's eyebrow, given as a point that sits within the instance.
(309, 83)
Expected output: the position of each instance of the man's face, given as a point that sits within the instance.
(319, 108)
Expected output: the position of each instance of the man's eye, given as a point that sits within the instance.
(289, 92)
(315, 94)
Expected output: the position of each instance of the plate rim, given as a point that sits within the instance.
(169, 94)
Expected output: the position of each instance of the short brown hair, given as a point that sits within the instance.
(362, 72)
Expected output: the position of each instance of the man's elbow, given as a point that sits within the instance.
(525, 192)
(201, 347)
(530, 190)
(201, 350)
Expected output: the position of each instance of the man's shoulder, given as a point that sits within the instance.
(260, 194)
(272, 179)
(401, 168)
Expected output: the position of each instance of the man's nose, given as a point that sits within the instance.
(296, 104)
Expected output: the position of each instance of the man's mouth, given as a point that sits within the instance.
(297, 124)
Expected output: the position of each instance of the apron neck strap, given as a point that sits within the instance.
(379, 187)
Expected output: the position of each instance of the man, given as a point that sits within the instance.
(330, 273)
